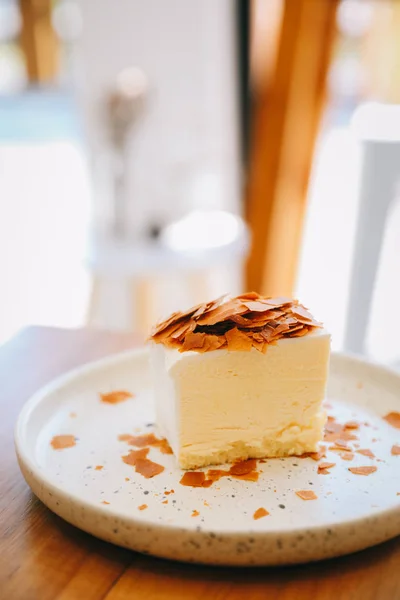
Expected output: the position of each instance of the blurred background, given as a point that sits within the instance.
(156, 154)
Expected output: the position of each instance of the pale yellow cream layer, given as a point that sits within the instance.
(221, 406)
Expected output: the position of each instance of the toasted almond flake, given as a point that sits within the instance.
(195, 513)
(323, 468)
(393, 418)
(237, 324)
(238, 340)
(99, 468)
(366, 452)
(115, 397)
(193, 479)
(395, 451)
(60, 442)
(306, 495)
(148, 468)
(142, 507)
(362, 470)
(104, 502)
(260, 513)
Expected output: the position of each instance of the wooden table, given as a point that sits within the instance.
(41, 557)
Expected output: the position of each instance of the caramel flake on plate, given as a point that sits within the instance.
(393, 418)
(104, 502)
(315, 455)
(142, 507)
(306, 495)
(352, 425)
(115, 397)
(366, 452)
(193, 479)
(260, 513)
(140, 441)
(363, 470)
(148, 468)
(195, 513)
(99, 468)
(346, 455)
(146, 439)
(323, 468)
(163, 446)
(243, 467)
(244, 470)
(134, 456)
(59, 442)
(395, 451)
(336, 432)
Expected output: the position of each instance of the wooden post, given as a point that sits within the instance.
(286, 119)
(38, 40)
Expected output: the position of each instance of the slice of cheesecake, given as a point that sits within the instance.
(240, 378)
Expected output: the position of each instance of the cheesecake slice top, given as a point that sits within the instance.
(235, 324)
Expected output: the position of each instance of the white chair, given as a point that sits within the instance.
(378, 128)
(189, 248)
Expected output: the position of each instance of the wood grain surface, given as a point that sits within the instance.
(43, 558)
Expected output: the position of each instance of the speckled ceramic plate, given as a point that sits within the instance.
(351, 511)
